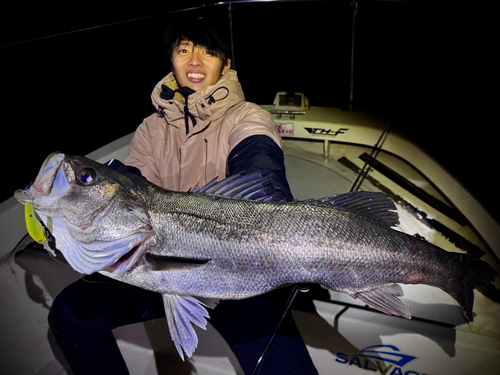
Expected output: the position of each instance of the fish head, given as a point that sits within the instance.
(96, 213)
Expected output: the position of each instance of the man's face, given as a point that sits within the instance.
(195, 68)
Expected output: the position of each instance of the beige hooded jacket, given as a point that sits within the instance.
(176, 155)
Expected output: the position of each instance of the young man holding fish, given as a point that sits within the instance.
(203, 129)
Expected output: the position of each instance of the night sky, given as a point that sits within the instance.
(76, 78)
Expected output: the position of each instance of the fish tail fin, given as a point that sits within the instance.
(475, 273)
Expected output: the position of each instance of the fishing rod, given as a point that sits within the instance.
(373, 155)
(258, 366)
(295, 291)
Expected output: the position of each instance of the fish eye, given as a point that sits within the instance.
(85, 177)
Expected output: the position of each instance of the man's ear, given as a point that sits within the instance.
(227, 67)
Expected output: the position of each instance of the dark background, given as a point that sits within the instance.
(75, 78)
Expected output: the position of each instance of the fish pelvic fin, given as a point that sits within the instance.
(181, 313)
(374, 205)
(475, 273)
(209, 302)
(385, 299)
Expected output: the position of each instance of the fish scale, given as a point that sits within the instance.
(211, 246)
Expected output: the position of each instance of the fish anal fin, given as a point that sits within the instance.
(385, 299)
(182, 312)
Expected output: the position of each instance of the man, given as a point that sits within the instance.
(203, 128)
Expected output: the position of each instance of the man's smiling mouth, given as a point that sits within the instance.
(196, 75)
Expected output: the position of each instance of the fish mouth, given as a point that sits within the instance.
(49, 185)
(24, 195)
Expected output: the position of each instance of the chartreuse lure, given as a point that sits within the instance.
(35, 228)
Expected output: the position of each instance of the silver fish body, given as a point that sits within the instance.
(219, 247)
(252, 247)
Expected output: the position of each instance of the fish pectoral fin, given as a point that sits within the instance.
(182, 312)
(385, 299)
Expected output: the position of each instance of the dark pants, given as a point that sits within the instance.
(83, 315)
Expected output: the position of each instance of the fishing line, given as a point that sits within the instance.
(76, 31)
(7, 261)
(82, 277)
(54, 257)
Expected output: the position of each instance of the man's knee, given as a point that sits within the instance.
(62, 321)
(74, 314)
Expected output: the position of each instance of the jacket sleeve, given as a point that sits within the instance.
(249, 120)
(261, 153)
(141, 155)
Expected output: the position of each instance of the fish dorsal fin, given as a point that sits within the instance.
(253, 186)
(182, 312)
(385, 299)
(369, 204)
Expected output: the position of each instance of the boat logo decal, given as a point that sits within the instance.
(381, 359)
(285, 130)
(321, 131)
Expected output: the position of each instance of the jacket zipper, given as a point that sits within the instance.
(180, 164)
(206, 160)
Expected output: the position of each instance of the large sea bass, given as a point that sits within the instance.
(206, 245)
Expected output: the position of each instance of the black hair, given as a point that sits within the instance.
(200, 34)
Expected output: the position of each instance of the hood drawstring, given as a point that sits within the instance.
(210, 98)
(188, 115)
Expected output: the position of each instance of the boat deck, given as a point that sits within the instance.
(338, 330)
